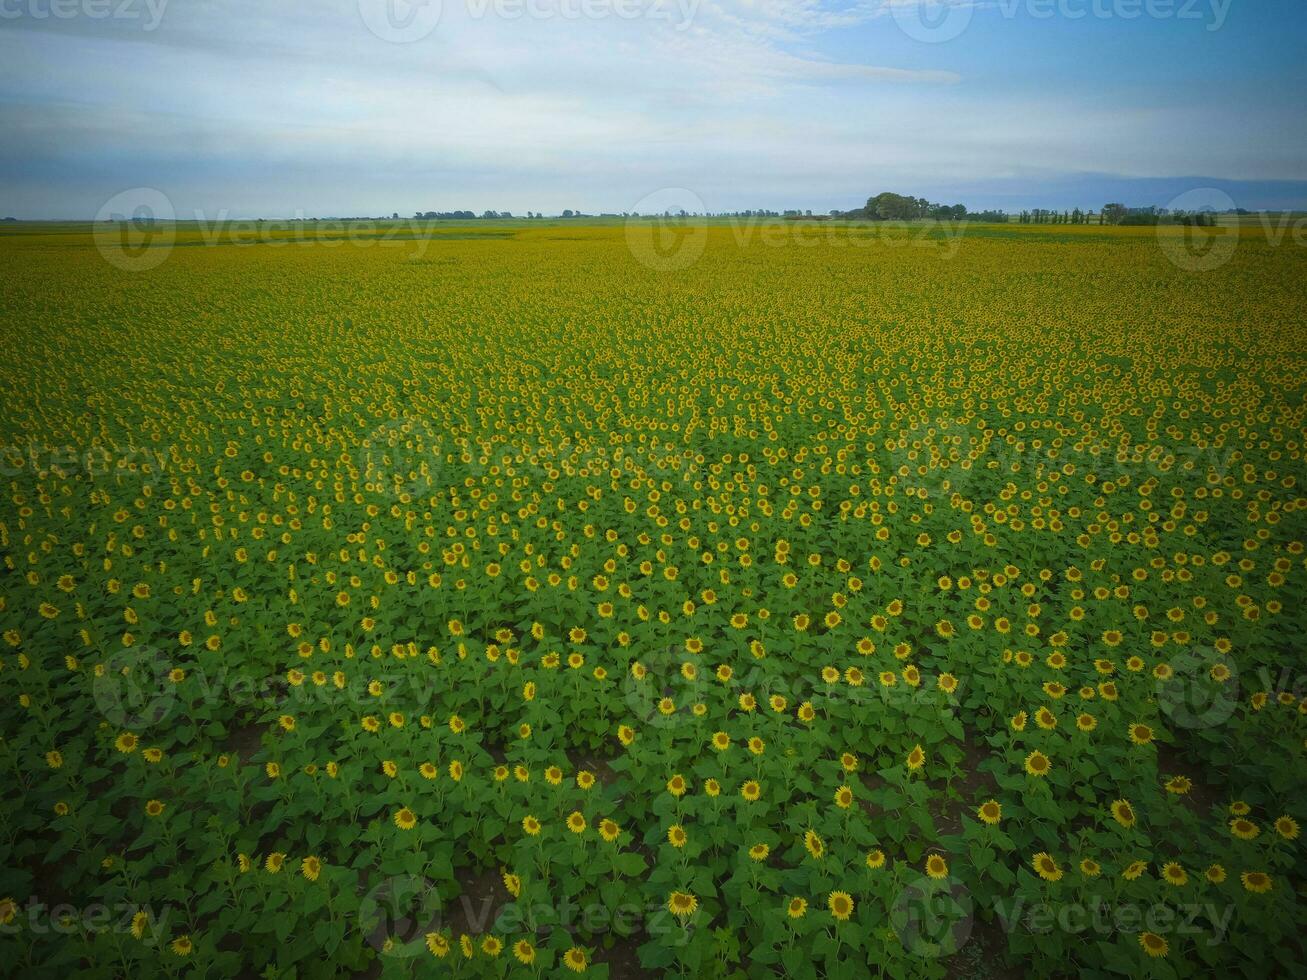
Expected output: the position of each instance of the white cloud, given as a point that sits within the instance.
(262, 108)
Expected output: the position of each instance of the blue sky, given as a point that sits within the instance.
(250, 108)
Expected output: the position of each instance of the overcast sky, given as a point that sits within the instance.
(352, 107)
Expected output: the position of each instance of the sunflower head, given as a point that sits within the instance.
(1038, 764)
(524, 952)
(1123, 813)
(682, 904)
(1257, 882)
(936, 866)
(1243, 828)
(1046, 867)
(1153, 944)
(991, 812)
(575, 959)
(813, 844)
(840, 905)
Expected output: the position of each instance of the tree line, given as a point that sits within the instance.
(888, 206)
(1118, 214)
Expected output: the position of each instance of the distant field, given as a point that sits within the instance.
(1260, 220)
(732, 599)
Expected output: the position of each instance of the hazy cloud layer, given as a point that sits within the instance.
(263, 109)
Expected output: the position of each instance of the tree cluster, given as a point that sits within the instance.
(888, 206)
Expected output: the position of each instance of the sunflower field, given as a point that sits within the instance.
(498, 604)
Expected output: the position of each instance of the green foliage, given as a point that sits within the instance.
(394, 607)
